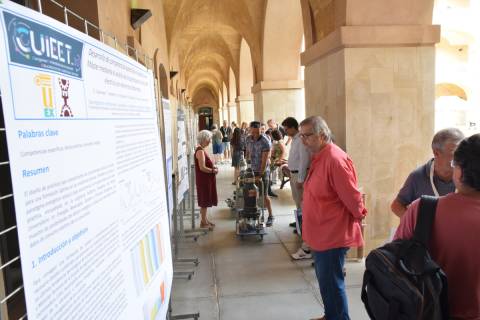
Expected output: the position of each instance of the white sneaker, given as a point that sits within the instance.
(301, 254)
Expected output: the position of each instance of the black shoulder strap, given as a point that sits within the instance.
(425, 219)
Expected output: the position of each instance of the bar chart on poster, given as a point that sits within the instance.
(84, 149)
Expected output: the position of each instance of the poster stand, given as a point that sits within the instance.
(176, 239)
(177, 234)
(193, 212)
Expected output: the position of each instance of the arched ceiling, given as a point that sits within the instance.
(205, 37)
(205, 96)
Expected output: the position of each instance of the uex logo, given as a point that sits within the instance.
(38, 46)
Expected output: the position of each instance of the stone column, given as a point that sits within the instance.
(278, 100)
(216, 116)
(374, 85)
(245, 109)
(225, 114)
(232, 112)
(220, 116)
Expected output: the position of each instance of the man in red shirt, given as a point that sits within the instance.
(332, 213)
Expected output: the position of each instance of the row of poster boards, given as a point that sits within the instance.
(86, 165)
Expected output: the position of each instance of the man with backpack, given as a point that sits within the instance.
(436, 240)
(454, 238)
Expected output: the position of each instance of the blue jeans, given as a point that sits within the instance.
(329, 271)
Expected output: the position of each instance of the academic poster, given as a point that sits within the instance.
(89, 192)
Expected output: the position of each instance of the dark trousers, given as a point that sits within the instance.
(329, 271)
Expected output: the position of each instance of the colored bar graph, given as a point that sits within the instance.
(147, 258)
(148, 254)
(143, 262)
(159, 243)
(154, 249)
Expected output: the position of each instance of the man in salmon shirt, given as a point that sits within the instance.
(332, 213)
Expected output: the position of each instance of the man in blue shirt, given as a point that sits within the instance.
(433, 178)
(258, 152)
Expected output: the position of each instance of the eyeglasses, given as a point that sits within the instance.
(452, 164)
(306, 135)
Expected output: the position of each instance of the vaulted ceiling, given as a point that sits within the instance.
(204, 36)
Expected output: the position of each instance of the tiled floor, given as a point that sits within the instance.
(253, 279)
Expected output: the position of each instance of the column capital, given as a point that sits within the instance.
(244, 98)
(277, 85)
(372, 36)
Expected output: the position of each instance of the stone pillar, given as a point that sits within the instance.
(232, 112)
(278, 100)
(225, 114)
(216, 116)
(245, 109)
(374, 85)
(220, 116)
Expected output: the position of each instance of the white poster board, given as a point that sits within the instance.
(182, 159)
(167, 122)
(89, 193)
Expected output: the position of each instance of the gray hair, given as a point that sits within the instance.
(446, 136)
(319, 126)
(204, 136)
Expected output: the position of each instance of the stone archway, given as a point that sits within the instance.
(162, 77)
(232, 95)
(277, 94)
(245, 106)
(205, 96)
(457, 89)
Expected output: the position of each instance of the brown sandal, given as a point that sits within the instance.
(206, 226)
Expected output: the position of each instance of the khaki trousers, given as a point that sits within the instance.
(297, 193)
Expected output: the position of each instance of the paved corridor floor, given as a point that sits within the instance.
(253, 279)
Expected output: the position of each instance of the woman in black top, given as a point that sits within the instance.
(238, 144)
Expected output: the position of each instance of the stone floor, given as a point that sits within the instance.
(253, 279)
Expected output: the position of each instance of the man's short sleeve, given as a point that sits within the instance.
(266, 144)
(406, 195)
(406, 229)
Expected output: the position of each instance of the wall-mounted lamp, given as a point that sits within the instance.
(139, 16)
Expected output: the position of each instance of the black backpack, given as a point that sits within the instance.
(401, 281)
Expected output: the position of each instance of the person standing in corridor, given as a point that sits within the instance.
(332, 213)
(205, 178)
(226, 137)
(258, 152)
(298, 163)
